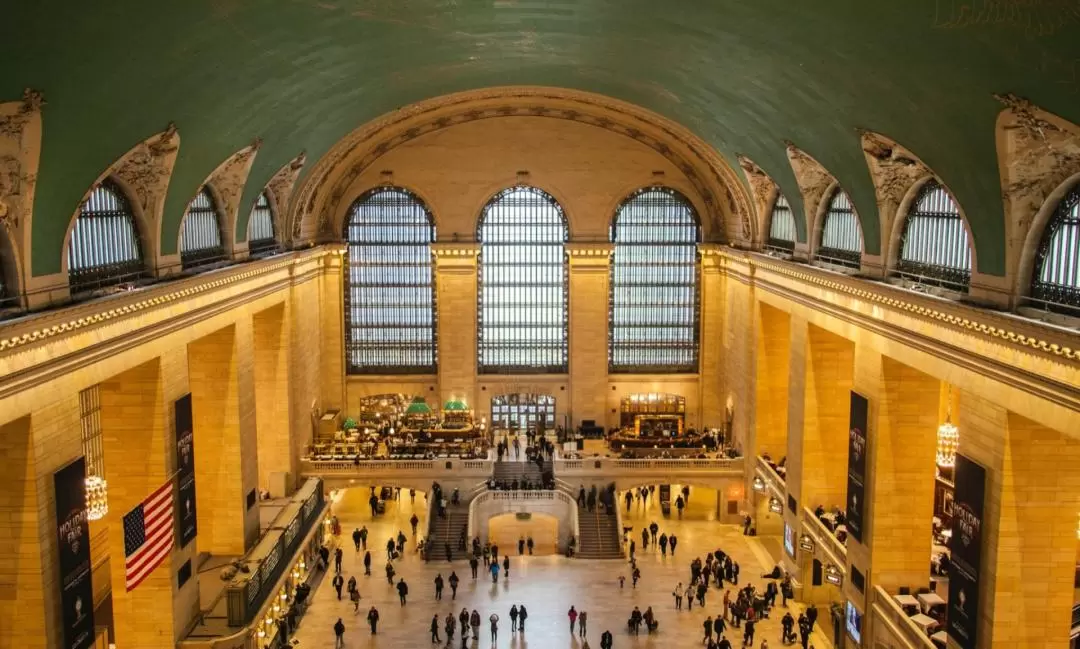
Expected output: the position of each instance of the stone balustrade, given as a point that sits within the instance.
(888, 611)
(626, 473)
(415, 474)
(773, 481)
(826, 540)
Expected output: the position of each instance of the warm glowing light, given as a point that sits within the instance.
(948, 440)
(759, 484)
(97, 497)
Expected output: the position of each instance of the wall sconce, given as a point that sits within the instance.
(775, 506)
(832, 575)
(759, 484)
(806, 542)
(97, 497)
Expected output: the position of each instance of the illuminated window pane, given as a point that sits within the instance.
(1057, 264)
(261, 227)
(104, 248)
(654, 284)
(200, 240)
(782, 226)
(522, 305)
(934, 248)
(389, 293)
(841, 239)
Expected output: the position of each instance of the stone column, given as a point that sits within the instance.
(226, 461)
(590, 270)
(273, 423)
(773, 340)
(456, 294)
(137, 435)
(332, 331)
(710, 367)
(1029, 524)
(902, 439)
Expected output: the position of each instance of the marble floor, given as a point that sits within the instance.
(546, 585)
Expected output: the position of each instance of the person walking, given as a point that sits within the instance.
(435, 629)
(338, 582)
(522, 616)
(583, 623)
(354, 595)
(663, 545)
(529, 544)
(672, 540)
(679, 504)
(494, 620)
(363, 537)
(521, 545)
(632, 548)
(352, 584)
(356, 538)
(506, 566)
(453, 584)
(373, 620)
(474, 564)
(748, 633)
(635, 576)
(339, 634)
(474, 622)
(438, 586)
(367, 563)
(707, 625)
(653, 529)
(402, 591)
(450, 627)
(677, 594)
(719, 626)
(572, 614)
(390, 549)
(494, 568)
(513, 618)
(414, 521)
(389, 573)
(644, 538)
(690, 592)
(606, 639)
(337, 559)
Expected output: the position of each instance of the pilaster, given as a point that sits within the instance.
(272, 389)
(456, 293)
(710, 345)
(773, 341)
(590, 272)
(331, 330)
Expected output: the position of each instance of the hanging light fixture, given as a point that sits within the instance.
(97, 497)
(948, 438)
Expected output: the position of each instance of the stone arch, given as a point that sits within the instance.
(141, 219)
(724, 197)
(10, 271)
(20, 151)
(342, 220)
(280, 187)
(764, 191)
(1026, 271)
(815, 183)
(226, 184)
(899, 220)
(219, 206)
(559, 197)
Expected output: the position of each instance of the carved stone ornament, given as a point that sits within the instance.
(813, 179)
(147, 167)
(281, 187)
(893, 168)
(761, 185)
(229, 179)
(12, 125)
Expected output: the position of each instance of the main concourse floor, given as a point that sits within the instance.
(546, 585)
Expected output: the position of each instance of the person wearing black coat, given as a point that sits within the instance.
(605, 640)
(435, 629)
(402, 590)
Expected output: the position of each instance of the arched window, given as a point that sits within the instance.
(389, 293)
(104, 248)
(200, 242)
(654, 284)
(841, 239)
(261, 227)
(934, 248)
(9, 280)
(1056, 280)
(522, 305)
(781, 226)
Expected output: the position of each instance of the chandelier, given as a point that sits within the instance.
(97, 497)
(948, 439)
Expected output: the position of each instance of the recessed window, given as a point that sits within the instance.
(389, 293)
(654, 305)
(9, 282)
(104, 249)
(261, 227)
(781, 226)
(934, 247)
(200, 242)
(841, 239)
(522, 296)
(1056, 281)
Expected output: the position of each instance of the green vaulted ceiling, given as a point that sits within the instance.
(743, 74)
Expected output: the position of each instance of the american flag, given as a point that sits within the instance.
(148, 535)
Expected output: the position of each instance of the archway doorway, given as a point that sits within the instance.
(523, 412)
(507, 529)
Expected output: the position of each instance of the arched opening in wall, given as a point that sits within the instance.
(841, 235)
(934, 248)
(655, 298)
(522, 314)
(390, 309)
(200, 232)
(506, 530)
(523, 412)
(10, 293)
(782, 232)
(262, 240)
(1055, 281)
(104, 248)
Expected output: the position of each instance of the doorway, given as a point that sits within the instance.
(523, 412)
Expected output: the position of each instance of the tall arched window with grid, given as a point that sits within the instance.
(104, 249)
(261, 239)
(522, 296)
(9, 280)
(841, 236)
(934, 246)
(200, 241)
(389, 290)
(1056, 281)
(782, 231)
(655, 302)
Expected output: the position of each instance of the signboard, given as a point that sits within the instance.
(789, 540)
(806, 542)
(73, 546)
(856, 477)
(833, 576)
(966, 546)
(185, 472)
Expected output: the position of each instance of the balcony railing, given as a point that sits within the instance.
(355, 468)
(619, 465)
(889, 610)
(826, 539)
(772, 479)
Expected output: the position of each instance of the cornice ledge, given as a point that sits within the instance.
(849, 287)
(46, 333)
(455, 249)
(590, 249)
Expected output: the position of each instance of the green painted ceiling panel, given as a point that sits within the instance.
(743, 74)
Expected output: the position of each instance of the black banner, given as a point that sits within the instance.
(73, 546)
(966, 546)
(185, 471)
(856, 465)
